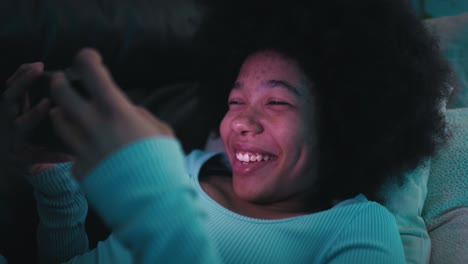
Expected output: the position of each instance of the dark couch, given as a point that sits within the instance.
(148, 46)
(154, 52)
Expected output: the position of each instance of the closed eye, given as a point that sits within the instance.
(275, 102)
(233, 102)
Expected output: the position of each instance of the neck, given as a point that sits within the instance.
(291, 207)
(220, 189)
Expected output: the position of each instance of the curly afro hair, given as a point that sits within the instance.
(379, 78)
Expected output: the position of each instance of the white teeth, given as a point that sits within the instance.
(250, 157)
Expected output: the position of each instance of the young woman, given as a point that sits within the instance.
(320, 114)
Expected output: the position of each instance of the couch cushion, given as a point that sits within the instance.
(448, 194)
(452, 32)
(449, 235)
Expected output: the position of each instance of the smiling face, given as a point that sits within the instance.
(268, 131)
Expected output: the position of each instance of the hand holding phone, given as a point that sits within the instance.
(21, 119)
(106, 120)
(44, 134)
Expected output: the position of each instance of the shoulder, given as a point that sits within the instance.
(356, 217)
(360, 209)
(367, 229)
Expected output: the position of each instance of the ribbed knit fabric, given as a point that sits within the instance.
(143, 193)
(62, 208)
(160, 214)
(353, 231)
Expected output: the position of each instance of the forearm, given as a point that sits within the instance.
(62, 210)
(149, 203)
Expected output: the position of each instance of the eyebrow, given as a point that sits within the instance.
(273, 84)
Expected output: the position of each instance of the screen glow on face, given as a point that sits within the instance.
(267, 131)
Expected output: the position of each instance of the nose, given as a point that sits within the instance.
(247, 122)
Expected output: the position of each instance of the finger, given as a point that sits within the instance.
(75, 107)
(31, 119)
(26, 103)
(144, 112)
(20, 71)
(17, 85)
(97, 79)
(148, 116)
(163, 128)
(71, 134)
(22, 79)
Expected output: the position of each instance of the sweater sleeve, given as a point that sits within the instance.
(144, 195)
(370, 237)
(62, 210)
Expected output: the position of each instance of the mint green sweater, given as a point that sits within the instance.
(152, 200)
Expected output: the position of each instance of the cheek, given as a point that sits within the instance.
(291, 132)
(295, 139)
(292, 142)
(224, 127)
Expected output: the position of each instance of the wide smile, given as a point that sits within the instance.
(247, 162)
(252, 157)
